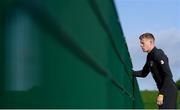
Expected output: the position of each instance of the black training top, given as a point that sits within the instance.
(157, 63)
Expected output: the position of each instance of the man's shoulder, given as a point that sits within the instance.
(159, 53)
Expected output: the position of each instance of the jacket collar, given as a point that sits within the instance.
(152, 51)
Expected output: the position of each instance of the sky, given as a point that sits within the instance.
(160, 17)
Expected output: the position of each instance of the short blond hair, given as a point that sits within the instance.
(147, 35)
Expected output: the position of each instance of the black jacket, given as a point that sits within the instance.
(157, 63)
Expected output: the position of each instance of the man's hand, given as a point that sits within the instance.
(160, 99)
(133, 73)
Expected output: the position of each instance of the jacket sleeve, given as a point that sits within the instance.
(142, 73)
(163, 63)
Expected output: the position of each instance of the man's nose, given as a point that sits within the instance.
(141, 45)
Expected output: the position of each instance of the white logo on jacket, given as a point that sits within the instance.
(162, 62)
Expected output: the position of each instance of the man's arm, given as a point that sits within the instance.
(162, 60)
(142, 73)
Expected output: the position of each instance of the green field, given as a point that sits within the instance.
(149, 99)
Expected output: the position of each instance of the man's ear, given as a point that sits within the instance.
(151, 41)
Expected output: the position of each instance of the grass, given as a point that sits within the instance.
(149, 99)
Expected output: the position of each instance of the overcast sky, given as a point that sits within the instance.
(160, 17)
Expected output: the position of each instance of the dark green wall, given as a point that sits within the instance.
(74, 56)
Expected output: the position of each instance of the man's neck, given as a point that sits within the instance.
(151, 49)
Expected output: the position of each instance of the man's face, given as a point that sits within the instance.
(146, 44)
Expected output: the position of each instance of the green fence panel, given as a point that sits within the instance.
(64, 54)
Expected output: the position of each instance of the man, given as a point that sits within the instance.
(157, 63)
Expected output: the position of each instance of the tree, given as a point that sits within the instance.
(178, 84)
